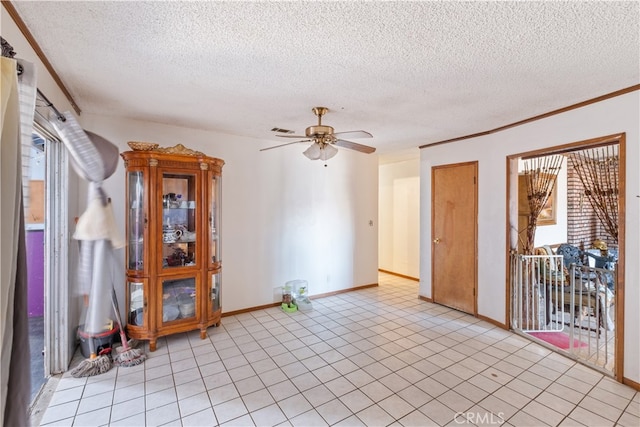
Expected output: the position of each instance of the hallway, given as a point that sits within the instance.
(378, 356)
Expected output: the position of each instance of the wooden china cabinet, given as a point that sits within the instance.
(172, 258)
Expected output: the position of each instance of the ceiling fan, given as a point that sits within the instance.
(324, 139)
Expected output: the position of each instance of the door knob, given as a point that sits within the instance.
(436, 240)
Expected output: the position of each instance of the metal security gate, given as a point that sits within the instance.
(536, 292)
(567, 309)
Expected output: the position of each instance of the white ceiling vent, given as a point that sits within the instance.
(280, 130)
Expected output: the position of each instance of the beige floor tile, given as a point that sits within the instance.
(308, 419)
(369, 357)
(556, 403)
(340, 386)
(438, 412)
(523, 419)
(499, 407)
(334, 411)
(294, 405)
(374, 415)
(222, 394)
(269, 416)
(455, 401)
(603, 409)
(395, 406)
(588, 418)
(162, 415)
(629, 420)
(257, 400)
(543, 413)
(229, 410)
(60, 412)
(608, 398)
(356, 401)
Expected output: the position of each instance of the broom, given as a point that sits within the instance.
(126, 356)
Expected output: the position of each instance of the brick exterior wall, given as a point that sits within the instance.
(583, 226)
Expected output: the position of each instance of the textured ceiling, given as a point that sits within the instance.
(410, 73)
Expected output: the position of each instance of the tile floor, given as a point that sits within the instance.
(373, 357)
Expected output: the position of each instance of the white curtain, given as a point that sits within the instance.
(14, 338)
(27, 93)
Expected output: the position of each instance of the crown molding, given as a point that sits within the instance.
(538, 117)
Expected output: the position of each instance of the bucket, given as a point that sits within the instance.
(101, 340)
(300, 294)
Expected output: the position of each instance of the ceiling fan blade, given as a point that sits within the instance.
(354, 134)
(282, 145)
(292, 136)
(353, 146)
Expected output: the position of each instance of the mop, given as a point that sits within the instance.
(94, 365)
(126, 356)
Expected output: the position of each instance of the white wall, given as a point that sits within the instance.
(284, 216)
(612, 116)
(399, 210)
(556, 233)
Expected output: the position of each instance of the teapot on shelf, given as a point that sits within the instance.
(170, 235)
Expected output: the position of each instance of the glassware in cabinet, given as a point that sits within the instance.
(137, 220)
(214, 293)
(214, 220)
(179, 220)
(137, 302)
(179, 299)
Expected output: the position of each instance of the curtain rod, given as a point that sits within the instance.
(49, 104)
(8, 52)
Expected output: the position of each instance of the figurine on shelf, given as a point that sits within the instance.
(178, 258)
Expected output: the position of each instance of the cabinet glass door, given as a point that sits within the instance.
(214, 220)
(178, 299)
(214, 294)
(179, 225)
(137, 302)
(137, 221)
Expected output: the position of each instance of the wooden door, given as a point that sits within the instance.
(454, 236)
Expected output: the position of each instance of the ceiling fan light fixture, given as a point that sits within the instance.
(313, 152)
(327, 152)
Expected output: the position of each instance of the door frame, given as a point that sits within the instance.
(475, 236)
(59, 340)
(511, 207)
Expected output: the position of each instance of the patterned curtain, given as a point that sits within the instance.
(598, 170)
(541, 175)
